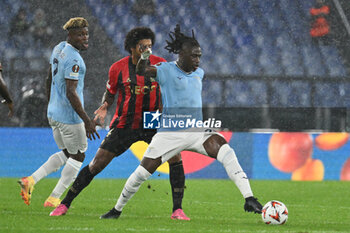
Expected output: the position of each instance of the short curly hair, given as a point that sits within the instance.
(135, 35)
(77, 22)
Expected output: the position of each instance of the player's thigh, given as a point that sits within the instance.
(147, 136)
(117, 141)
(166, 145)
(57, 134)
(74, 137)
(100, 161)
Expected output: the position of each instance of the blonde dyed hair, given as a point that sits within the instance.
(77, 22)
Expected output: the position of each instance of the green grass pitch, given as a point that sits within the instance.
(213, 206)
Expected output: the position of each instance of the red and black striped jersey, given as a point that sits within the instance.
(135, 93)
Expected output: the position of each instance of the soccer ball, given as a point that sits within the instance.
(275, 213)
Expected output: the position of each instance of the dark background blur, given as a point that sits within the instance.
(270, 64)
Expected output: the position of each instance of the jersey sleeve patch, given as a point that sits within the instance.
(72, 74)
(75, 68)
(75, 71)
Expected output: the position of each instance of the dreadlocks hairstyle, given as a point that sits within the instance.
(178, 39)
(77, 22)
(135, 35)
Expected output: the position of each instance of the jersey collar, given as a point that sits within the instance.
(73, 47)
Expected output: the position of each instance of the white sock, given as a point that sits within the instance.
(227, 157)
(55, 162)
(131, 186)
(68, 175)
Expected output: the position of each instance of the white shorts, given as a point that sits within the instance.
(70, 137)
(168, 144)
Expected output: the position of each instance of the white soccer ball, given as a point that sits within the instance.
(275, 213)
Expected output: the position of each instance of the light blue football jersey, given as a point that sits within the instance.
(65, 64)
(57, 50)
(181, 91)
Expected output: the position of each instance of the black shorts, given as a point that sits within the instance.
(119, 140)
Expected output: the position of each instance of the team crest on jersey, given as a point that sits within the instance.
(75, 68)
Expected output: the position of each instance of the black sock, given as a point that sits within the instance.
(177, 181)
(83, 179)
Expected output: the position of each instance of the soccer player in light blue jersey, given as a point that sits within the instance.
(181, 87)
(69, 122)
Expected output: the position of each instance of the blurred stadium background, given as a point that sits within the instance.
(263, 69)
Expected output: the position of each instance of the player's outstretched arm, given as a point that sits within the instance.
(5, 94)
(90, 125)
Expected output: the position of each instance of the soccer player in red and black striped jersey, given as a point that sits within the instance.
(135, 94)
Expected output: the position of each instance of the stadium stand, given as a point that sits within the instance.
(255, 53)
(256, 37)
(240, 38)
(29, 63)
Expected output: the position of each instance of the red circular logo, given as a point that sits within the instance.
(75, 68)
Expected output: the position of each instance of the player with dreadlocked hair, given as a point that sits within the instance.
(181, 85)
(175, 45)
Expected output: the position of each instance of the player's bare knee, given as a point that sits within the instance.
(151, 165)
(100, 161)
(97, 165)
(79, 156)
(213, 144)
(177, 158)
(94, 168)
